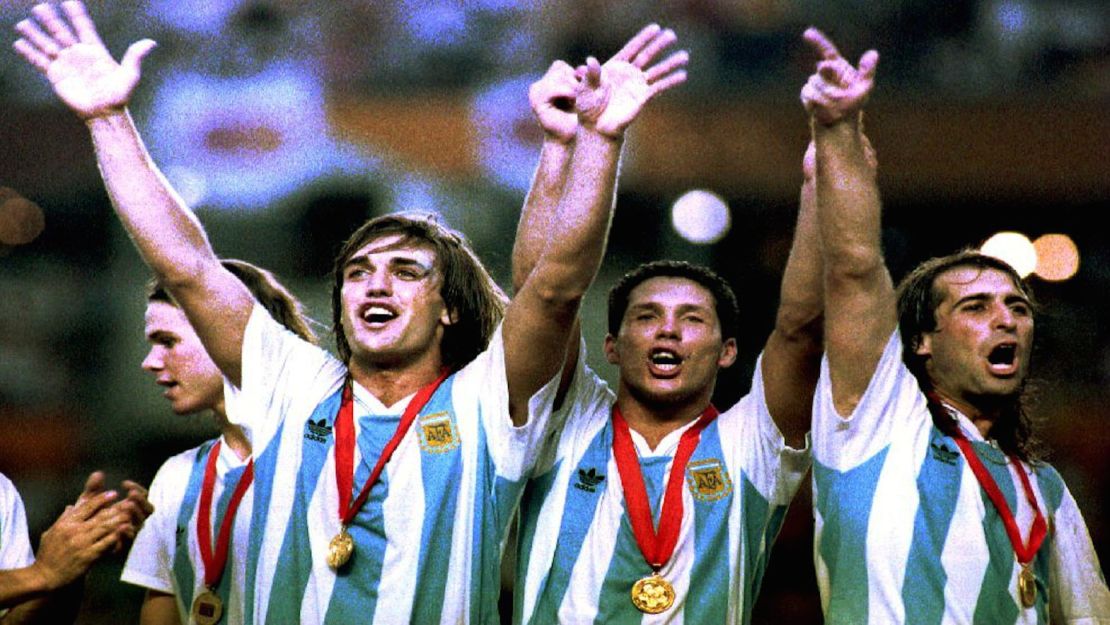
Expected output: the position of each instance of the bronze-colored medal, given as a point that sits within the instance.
(652, 594)
(207, 608)
(340, 549)
(1027, 586)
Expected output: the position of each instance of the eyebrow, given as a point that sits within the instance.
(983, 297)
(363, 260)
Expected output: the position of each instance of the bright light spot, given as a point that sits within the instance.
(21, 220)
(1013, 248)
(701, 217)
(189, 184)
(1057, 257)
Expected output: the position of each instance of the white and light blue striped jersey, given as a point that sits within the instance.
(429, 537)
(905, 533)
(15, 546)
(578, 555)
(166, 554)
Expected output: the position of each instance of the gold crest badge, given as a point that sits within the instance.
(708, 480)
(438, 433)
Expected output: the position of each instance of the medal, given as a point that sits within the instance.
(1024, 552)
(1027, 586)
(207, 608)
(652, 594)
(340, 549)
(342, 546)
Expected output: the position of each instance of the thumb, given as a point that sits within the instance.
(133, 58)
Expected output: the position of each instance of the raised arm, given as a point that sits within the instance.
(69, 53)
(860, 309)
(540, 319)
(792, 356)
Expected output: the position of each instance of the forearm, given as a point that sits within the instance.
(540, 206)
(20, 585)
(54, 608)
(850, 207)
(166, 233)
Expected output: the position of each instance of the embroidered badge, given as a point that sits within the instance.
(708, 480)
(589, 480)
(438, 433)
(942, 453)
(318, 431)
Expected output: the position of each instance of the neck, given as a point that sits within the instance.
(982, 418)
(390, 385)
(655, 422)
(232, 434)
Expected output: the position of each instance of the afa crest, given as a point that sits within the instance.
(708, 480)
(438, 433)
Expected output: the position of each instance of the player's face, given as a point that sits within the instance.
(393, 312)
(179, 361)
(982, 344)
(669, 345)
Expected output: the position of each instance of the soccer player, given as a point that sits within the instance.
(385, 479)
(46, 587)
(931, 504)
(213, 481)
(650, 503)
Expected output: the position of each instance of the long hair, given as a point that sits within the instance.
(472, 297)
(272, 294)
(918, 300)
(728, 311)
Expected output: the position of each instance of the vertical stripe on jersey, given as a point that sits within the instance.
(578, 516)
(760, 524)
(230, 480)
(183, 571)
(265, 464)
(491, 528)
(995, 604)
(295, 558)
(1051, 487)
(628, 565)
(844, 534)
(938, 483)
(535, 494)
(706, 600)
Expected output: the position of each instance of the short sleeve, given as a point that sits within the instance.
(1078, 590)
(15, 546)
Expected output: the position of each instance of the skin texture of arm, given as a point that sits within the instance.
(541, 319)
(859, 295)
(69, 53)
(792, 356)
(159, 608)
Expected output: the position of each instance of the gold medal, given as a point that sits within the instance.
(652, 594)
(207, 608)
(1027, 586)
(340, 549)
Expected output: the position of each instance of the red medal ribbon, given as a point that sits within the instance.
(214, 563)
(656, 547)
(345, 446)
(1037, 532)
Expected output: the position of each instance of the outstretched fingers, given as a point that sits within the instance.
(659, 43)
(32, 55)
(637, 43)
(81, 22)
(58, 29)
(667, 73)
(35, 37)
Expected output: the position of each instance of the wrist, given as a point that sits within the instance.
(41, 580)
(590, 132)
(104, 119)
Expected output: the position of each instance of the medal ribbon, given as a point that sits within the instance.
(214, 563)
(656, 547)
(345, 446)
(1026, 551)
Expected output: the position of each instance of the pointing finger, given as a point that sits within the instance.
(820, 44)
(867, 64)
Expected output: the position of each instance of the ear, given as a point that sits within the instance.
(728, 353)
(922, 346)
(611, 353)
(449, 317)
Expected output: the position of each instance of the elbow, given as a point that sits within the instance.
(800, 323)
(856, 262)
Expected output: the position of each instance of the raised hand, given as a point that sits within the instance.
(836, 90)
(552, 100)
(73, 58)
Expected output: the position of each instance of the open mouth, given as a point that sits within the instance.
(1002, 358)
(378, 314)
(665, 360)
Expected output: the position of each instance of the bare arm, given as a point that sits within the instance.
(792, 356)
(167, 234)
(541, 319)
(159, 608)
(859, 296)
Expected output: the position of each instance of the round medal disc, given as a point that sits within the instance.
(340, 549)
(652, 595)
(1027, 586)
(207, 608)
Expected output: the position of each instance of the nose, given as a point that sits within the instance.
(668, 327)
(154, 360)
(379, 282)
(1004, 317)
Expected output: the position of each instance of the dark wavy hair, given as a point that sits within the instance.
(282, 305)
(728, 311)
(918, 300)
(473, 298)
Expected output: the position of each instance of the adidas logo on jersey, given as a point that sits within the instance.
(588, 480)
(318, 431)
(942, 453)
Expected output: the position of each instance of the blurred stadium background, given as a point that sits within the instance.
(286, 124)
